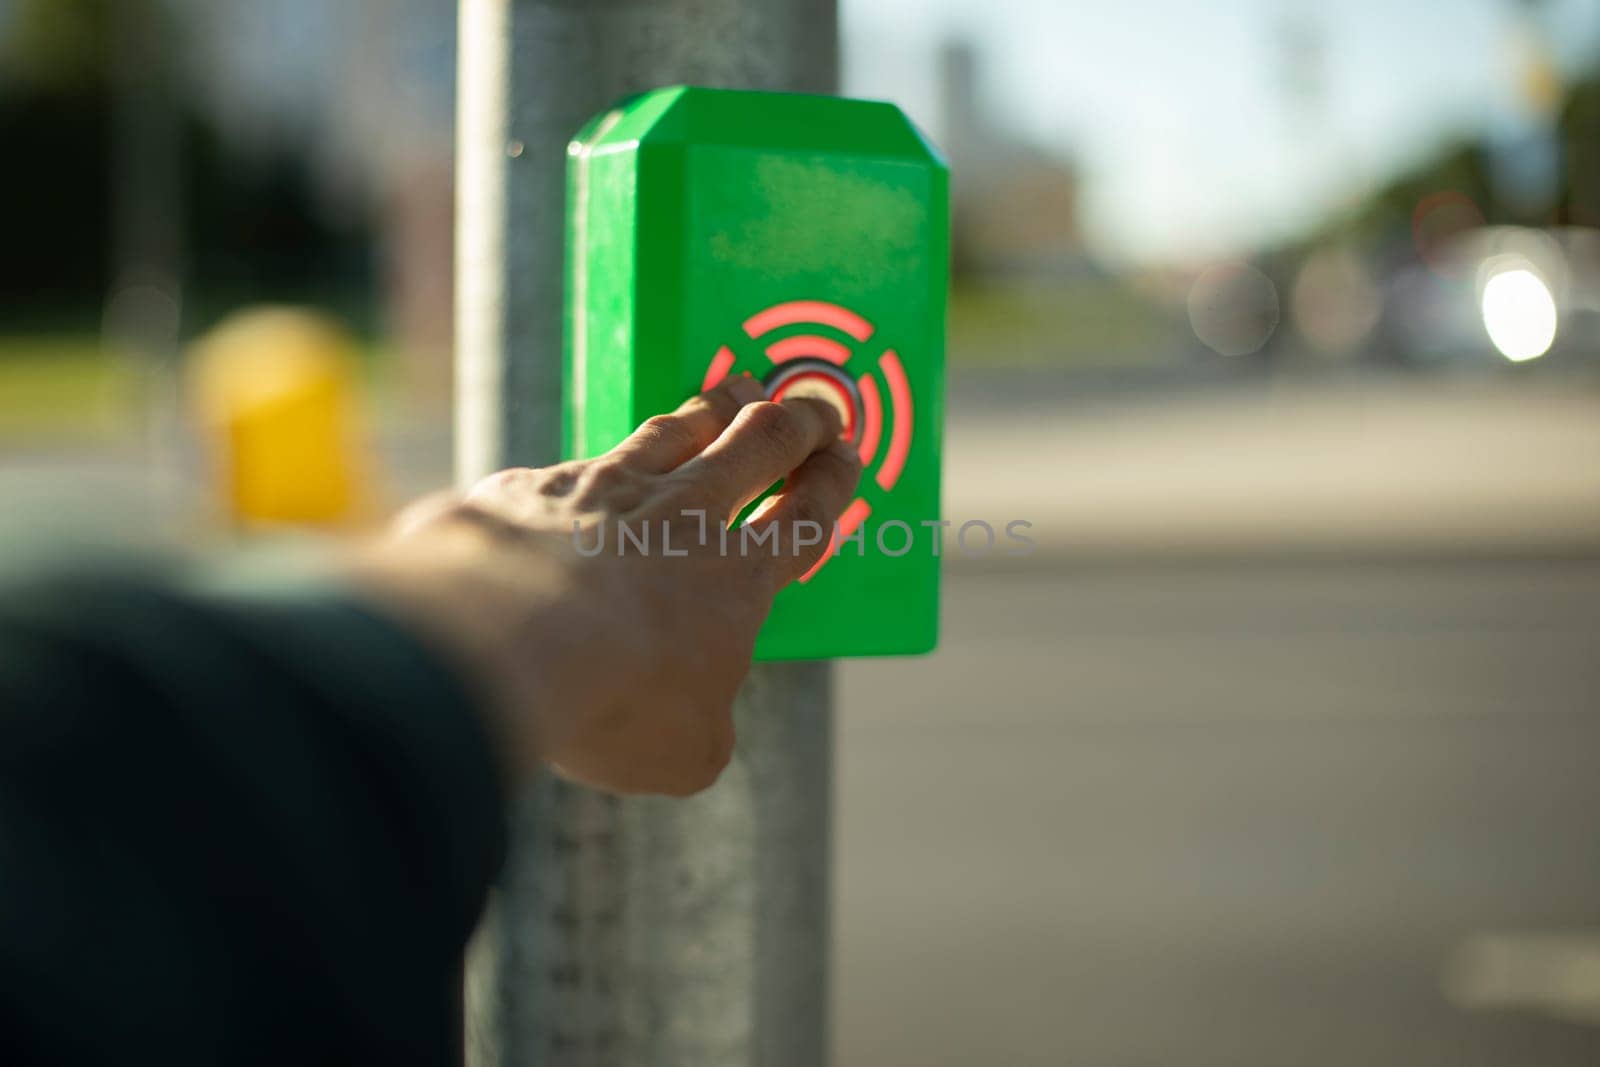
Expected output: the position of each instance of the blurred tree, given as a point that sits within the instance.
(57, 45)
(1463, 168)
(251, 227)
(1580, 132)
(55, 188)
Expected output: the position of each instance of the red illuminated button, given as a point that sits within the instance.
(820, 380)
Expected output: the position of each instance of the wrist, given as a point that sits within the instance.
(453, 588)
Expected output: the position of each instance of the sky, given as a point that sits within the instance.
(1175, 110)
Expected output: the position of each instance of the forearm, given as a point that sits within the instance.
(489, 611)
(249, 794)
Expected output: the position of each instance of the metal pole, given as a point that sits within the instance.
(148, 248)
(630, 931)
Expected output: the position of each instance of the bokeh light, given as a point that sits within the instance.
(1233, 308)
(1335, 301)
(1519, 313)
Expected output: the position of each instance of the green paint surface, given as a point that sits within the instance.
(692, 210)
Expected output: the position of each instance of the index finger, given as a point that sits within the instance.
(764, 443)
(666, 441)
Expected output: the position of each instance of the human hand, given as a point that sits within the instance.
(618, 669)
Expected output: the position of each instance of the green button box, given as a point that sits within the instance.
(802, 239)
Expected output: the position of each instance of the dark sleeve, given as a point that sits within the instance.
(233, 829)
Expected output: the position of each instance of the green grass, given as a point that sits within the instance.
(63, 386)
(1075, 323)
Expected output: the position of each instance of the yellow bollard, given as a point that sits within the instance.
(275, 390)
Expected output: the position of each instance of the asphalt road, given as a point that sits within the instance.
(1226, 815)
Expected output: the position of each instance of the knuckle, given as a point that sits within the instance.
(667, 430)
(778, 427)
(605, 476)
(612, 487)
(508, 480)
(722, 404)
(560, 479)
(600, 481)
(485, 518)
(825, 413)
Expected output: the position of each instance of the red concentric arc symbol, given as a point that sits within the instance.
(807, 345)
(721, 364)
(822, 353)
(841, 319)
(900, 437)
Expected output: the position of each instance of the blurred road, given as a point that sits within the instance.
(1219, 815)
(1300, 699)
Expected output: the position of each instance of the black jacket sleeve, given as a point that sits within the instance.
(233, 829)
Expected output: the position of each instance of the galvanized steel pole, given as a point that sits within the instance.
(630, 931)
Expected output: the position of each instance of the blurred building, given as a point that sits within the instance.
(1015, 205)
